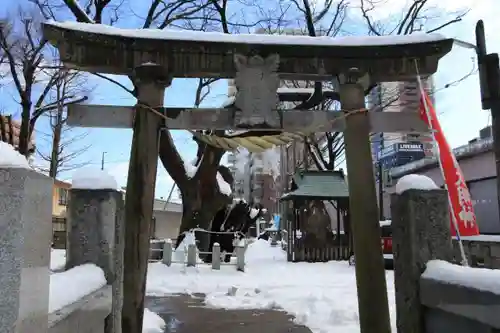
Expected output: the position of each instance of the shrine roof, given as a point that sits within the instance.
(257, 39)
(319, 185)
(106, 49)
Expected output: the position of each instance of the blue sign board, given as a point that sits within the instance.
(401, 153)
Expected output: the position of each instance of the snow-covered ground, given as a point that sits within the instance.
(321, 296)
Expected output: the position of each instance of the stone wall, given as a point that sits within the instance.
(95, 236)
(424, 303)
(450, 307)
(88, 315)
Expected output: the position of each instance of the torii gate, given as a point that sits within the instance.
(258, 62)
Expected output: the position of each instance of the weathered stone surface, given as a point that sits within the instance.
(25, 237)
(257, 82)
(455, 308)
(87, 315)
(96, 235)
(421, 232)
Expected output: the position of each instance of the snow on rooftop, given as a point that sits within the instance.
(415, 182)
(478, 278)
(68, 287)
(10, 158)
(188, 35)
(93, 179)
(304, 290)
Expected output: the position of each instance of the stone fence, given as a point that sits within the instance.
(163, 251)
(456, 299)
(94, 237)
(481, 250)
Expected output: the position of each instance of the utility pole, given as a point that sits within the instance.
(381, 182)
(489, 81)
(381, 191)
(102, 160)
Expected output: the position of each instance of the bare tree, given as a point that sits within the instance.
(30, 67)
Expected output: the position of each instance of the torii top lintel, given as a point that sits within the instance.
(192, 54)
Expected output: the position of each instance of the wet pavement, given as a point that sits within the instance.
(186, 314)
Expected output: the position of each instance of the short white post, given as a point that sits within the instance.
(167, 253)
(257, 227)
(216, 256)
(240, 258)
(191, 255)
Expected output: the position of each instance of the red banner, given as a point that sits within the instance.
(461, 208)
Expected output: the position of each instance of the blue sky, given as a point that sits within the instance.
(458, 106)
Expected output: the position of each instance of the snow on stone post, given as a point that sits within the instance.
(25, 238)
(420, 232)
(96, 231)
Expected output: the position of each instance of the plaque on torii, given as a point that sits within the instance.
(257, 63)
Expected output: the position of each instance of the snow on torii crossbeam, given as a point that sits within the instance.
(257, 62)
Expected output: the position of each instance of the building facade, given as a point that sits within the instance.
(399, 97)
(477, 162)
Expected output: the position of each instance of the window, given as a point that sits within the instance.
(63, 196)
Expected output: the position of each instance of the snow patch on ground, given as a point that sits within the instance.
(322, 296)
(10, 158)
(152, 323)
(415, 182)
(93, 179)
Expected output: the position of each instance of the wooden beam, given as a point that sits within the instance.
(139, 196)
(106, 116)
(370, 273)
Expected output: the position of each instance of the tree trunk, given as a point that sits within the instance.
(56, 141)
(24, 133)
(201, 200)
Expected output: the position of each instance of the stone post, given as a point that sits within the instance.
(216, 256)
(421, 232)
(95, 235)
(240, 258)
(25, 238)
(167, 253)
(191, 255)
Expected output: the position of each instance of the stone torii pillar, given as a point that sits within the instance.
(370, 272)
(150, 81)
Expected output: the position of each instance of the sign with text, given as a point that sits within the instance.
(410, 147)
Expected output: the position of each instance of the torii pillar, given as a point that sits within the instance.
(370, 271)
(150, 82)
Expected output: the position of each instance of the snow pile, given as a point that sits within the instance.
(478, 278)
(68, 287)
(179, 255)
(93, 179)
(10, 158)
(415, 182)
(57, 259)
(321, 296)
(152, 323)
(259, 251)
